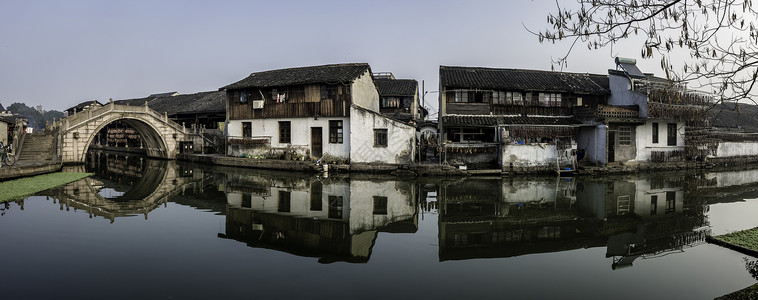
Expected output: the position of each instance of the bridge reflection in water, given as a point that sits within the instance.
(339, 218)
(128, 185)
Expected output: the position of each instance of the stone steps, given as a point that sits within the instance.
(37, 147)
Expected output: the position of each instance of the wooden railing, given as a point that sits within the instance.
(323, 108)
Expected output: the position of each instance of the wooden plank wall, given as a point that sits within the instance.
(301, 102)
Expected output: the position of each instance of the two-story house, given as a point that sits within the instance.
(644, 119)
(398, 97)
(513, 119)
(327, 111)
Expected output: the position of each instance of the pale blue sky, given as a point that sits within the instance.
(60, 53)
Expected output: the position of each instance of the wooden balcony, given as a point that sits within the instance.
(323, 108)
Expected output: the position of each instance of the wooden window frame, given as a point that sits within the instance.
(671, 134)
(285, 132)
(655, 133)
(247, 132)
(381, 137)
(336, 131)
(625, 135)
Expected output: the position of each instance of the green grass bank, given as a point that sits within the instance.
(745, 238)
(21, 188)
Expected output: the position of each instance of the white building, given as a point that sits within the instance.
(328, 112)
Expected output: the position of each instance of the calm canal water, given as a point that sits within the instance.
(151, 229)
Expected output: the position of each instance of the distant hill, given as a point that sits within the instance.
(728, 116)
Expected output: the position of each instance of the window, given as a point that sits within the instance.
(316, 188)
(549, 232)
(653, 205)
(655, 133)
(285, 132)
(390, 102)
(335, 207)
(672, 134)
(247, 129)
(279, 96)
(625, 135)
(335, 132)
(514, 98)
(380, 137)
(284, 201)
(498, 97)
(380, 205)
(467, 96)
(550, 99)
(247, 200)
(670, 202)
(328, 91)
(243, 97)
(461, 96)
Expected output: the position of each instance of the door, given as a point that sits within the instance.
(316, 142)
(611, 146)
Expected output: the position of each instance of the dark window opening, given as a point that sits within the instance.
(284, 201)
(380, 137)
(655, 133)
(335, 207)
(671, 134)
(653, 205)
(328, 91)
(316, 202)
(335, 132)
(247, 200)
(670, 202)
(380, 205)
(247, 129)
(285, 132)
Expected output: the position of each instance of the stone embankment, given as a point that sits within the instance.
(26, 168)
(312, 167)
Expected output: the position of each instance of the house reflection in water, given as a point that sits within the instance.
(504, 217)
(334, 219)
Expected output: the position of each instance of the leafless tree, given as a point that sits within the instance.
(711, 45)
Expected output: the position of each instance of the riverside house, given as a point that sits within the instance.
(644, 119)
(398, 97)
(329, 113)
(514, 119)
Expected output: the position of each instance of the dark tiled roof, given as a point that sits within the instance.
(484, 120)
(396, 87)
(1, 107)
(523, 80)
(84, 104)
(163, 94)
(339, 73)
(203, 102)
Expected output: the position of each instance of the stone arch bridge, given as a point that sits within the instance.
(161, 136)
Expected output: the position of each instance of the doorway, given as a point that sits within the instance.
(316, 142)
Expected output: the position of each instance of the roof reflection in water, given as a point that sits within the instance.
(332, 219)
(632, 217)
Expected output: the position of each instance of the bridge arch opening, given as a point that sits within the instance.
(149, 138)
